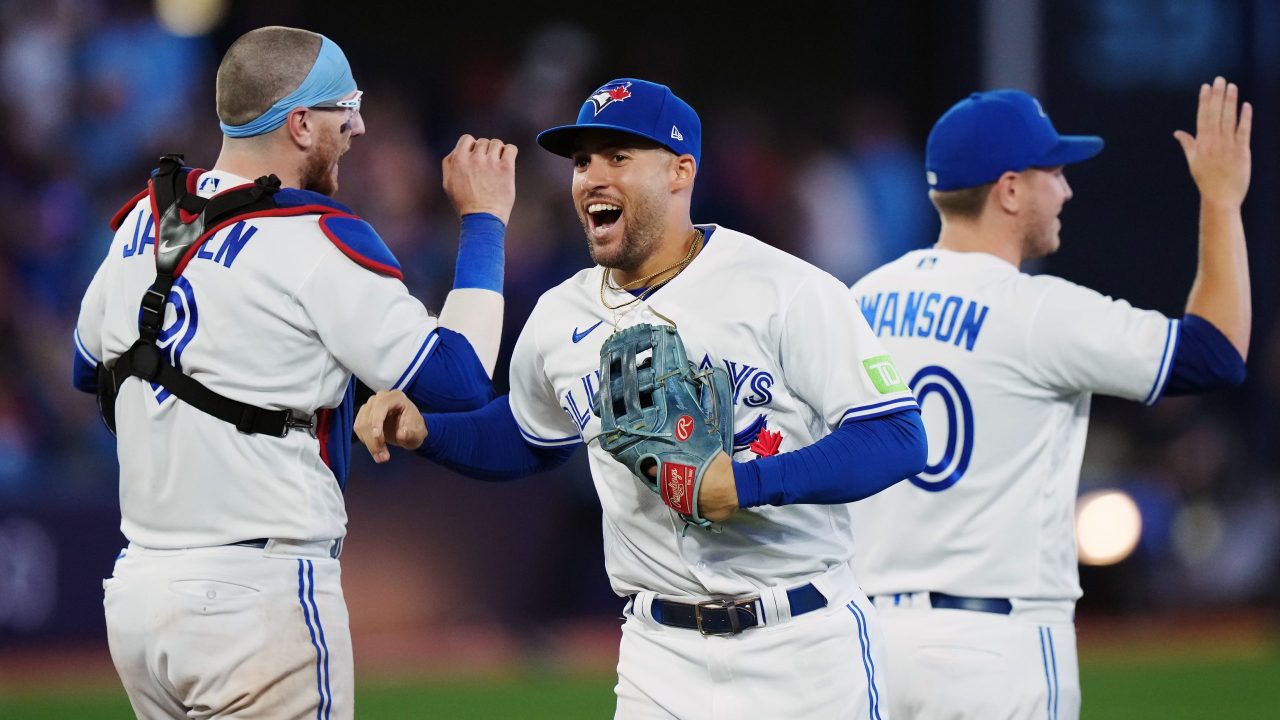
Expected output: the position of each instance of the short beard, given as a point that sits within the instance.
(644, 229)
(1037, 239)
(315, 174)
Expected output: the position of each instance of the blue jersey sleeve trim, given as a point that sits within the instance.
(874, 410)
(83, 350)
(450, 378)
(487, 444)
(415, 365)
(857, 460)
(548, 442)
(1166, 363)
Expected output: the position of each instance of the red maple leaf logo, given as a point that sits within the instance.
(766, 443)
(620, 93)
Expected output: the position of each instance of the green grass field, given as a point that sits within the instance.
(1241, 689)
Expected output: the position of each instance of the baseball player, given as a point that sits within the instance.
(973, 567)
(230, 384)
(759, 615)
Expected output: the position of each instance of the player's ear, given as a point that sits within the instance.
(683, 169)
(1008, 193)
(300, 128)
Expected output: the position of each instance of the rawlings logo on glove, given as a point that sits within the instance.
(658, 412)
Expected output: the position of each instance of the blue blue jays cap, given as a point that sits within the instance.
(637, 107)
(989, 133)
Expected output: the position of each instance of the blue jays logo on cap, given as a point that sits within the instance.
(611, 93)
(635, 107)
(990, 133)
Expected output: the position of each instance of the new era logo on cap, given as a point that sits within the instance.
(990, 133)
(636, 107)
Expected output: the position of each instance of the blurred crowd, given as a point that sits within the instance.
(93, 92)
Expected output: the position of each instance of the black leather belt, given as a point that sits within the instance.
(727, 616)
(260, 543)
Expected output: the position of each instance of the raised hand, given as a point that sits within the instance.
(480, 176)
(1218, 155)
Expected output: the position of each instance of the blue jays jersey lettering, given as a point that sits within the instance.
(273, 311)
(1004, 355)
(771, 311)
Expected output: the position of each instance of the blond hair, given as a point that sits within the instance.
(261, 67)
(962, 204)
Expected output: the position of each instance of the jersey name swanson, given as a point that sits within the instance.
(951, 319)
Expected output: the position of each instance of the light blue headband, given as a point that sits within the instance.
(330, 79)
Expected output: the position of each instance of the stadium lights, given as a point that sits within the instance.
(190, 18)
(1108, 527)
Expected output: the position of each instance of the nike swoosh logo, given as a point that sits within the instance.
(577, 336)
(167, 247)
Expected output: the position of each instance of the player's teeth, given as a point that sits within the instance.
(601, 207)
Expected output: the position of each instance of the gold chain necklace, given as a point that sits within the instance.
(679, 267)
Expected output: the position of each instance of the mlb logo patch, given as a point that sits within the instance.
(608, 95)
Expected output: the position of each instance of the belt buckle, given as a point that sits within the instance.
(728, 604)
(293, 422)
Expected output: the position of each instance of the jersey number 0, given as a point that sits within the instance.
(948, 469)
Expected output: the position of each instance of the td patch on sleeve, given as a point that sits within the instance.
(884, 375)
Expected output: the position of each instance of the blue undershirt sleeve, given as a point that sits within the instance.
(480, 253)
(452, 378)
(857, 460)
(84, 375)
(486, 444)
(84, 367)
(1205, 359)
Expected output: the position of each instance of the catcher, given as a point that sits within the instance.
(733, 402)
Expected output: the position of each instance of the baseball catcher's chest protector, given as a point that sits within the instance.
(184, 221)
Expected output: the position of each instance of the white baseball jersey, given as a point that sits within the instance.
(801, 360)
(270, 312)
(1003, 365)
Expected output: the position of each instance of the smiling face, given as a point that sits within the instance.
(621, 190)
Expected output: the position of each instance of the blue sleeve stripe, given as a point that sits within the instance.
(424, 352)
(84, 350)
(877, 409)
(1166, 363)
(550, 442)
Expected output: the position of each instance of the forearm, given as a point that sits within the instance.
(857, 460)
(486, 444)
(474, 306)
(1221, 292)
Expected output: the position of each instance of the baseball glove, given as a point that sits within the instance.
(656, 408)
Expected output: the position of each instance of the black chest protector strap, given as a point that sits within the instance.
(174, 238)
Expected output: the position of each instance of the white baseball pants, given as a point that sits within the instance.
(948, 664)
(231, 632)
(824, 665)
